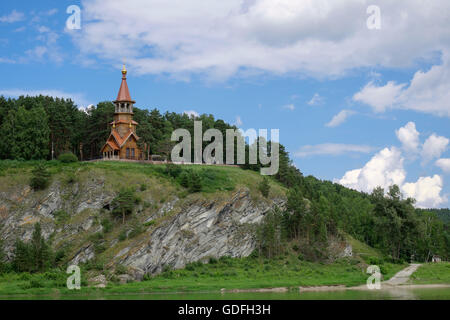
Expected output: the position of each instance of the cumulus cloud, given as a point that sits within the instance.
(340, 118)
(379, 98)
(409, 137)
(433, 147)
(444, 164)
(384, 170)
(427, 92)
(224, 38)
(331, 149)
(426, 191)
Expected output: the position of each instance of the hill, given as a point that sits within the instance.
(168, 226)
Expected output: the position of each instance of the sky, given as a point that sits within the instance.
(361, 95)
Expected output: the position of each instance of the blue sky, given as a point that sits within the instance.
(359, 106)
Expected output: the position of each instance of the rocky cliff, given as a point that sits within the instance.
(173, 228)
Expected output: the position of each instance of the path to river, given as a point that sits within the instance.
(399, 280)
(402, 276)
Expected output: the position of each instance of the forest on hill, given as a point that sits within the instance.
(316, 210)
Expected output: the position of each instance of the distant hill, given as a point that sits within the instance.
(443, 214)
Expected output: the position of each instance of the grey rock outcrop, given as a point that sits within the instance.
(184, 230)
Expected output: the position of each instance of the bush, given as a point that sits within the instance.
(143, 187)
(173, 170)
(123, 235)
(149, 223)
(264, 187)
(40, 178)
(184, 179)
(61, 216)
(107, 225)
(121, 269)
(212, 260)
(67, 157)
(195, 182)
(136, 229)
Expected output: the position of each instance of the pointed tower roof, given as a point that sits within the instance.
(124, 93)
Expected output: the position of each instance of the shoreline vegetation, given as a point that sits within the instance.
(437, 277)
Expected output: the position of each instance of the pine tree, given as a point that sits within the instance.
(124, 203)
(264, 187)
(40, 250)
(40, 178)
(184, 179)
(195, 182)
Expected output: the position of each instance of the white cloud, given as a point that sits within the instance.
(315, 100)
(289, 107)
(78, 98)
(426, 191)
(433, 147)
(340, 118)
(238, 122)
(409, 137)
(384, 169)
(444, 164)
(14, 16)
(331, 149)
(379, 98)
(225, 38)
(191, 113)
(428, 92)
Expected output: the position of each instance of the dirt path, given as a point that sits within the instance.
(402, 276)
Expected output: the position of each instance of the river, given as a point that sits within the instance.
(398, 293)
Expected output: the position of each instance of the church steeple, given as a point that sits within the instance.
(124, 103)
(123, 116)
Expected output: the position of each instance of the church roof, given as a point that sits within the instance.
(117, 137)
(119, 140)
(124, 92)
(112, 144)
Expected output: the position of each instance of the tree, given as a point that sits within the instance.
(2, 258)
(184, 179)
(124, 203)
(35, 256)
(271, 234)
(264, 187)
(195, 182)
(40, 178)
(40, 250)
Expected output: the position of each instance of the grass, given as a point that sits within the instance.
(226, 272)
(432, 273)
(214, 178)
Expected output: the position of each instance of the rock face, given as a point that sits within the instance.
(201, 230)
(176, 231)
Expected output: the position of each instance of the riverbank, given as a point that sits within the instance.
(222, 274)
(206, 288)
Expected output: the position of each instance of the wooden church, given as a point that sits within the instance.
(122, 141)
